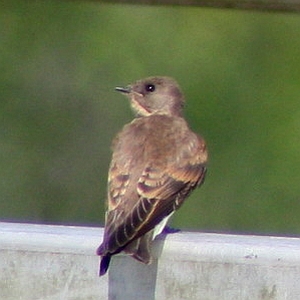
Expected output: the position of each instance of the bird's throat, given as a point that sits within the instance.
(139, 108)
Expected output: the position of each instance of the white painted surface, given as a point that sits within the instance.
(59, 262)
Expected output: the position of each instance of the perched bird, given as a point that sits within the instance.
(156, 162)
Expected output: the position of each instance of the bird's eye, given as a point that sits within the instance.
(150, 87)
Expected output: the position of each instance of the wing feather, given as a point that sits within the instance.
(157, 199)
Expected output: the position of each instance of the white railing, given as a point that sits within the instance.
(59, 262)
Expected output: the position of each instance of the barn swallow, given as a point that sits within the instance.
(156, 162)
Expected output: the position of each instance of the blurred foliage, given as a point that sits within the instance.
(240, 72)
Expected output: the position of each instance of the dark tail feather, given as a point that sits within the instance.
(104, 264)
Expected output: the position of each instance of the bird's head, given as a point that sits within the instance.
(155, 95)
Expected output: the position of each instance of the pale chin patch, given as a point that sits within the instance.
(136, 106)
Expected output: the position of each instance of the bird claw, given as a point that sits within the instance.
(168, 230)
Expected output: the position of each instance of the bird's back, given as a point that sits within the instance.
(154, 157)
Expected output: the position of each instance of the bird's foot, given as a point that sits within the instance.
(168, 230)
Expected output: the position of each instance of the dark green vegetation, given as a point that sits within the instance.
(240, 72)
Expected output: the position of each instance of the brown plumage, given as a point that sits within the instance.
(157, 161)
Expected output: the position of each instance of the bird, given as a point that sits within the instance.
(157, 161)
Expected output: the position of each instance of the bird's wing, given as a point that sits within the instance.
(160, 192)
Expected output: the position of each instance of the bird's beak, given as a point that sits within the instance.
(126, 89)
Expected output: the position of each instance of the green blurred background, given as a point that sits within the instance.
(240, 72)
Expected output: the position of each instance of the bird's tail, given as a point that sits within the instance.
(105, 259)
(104, 264)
